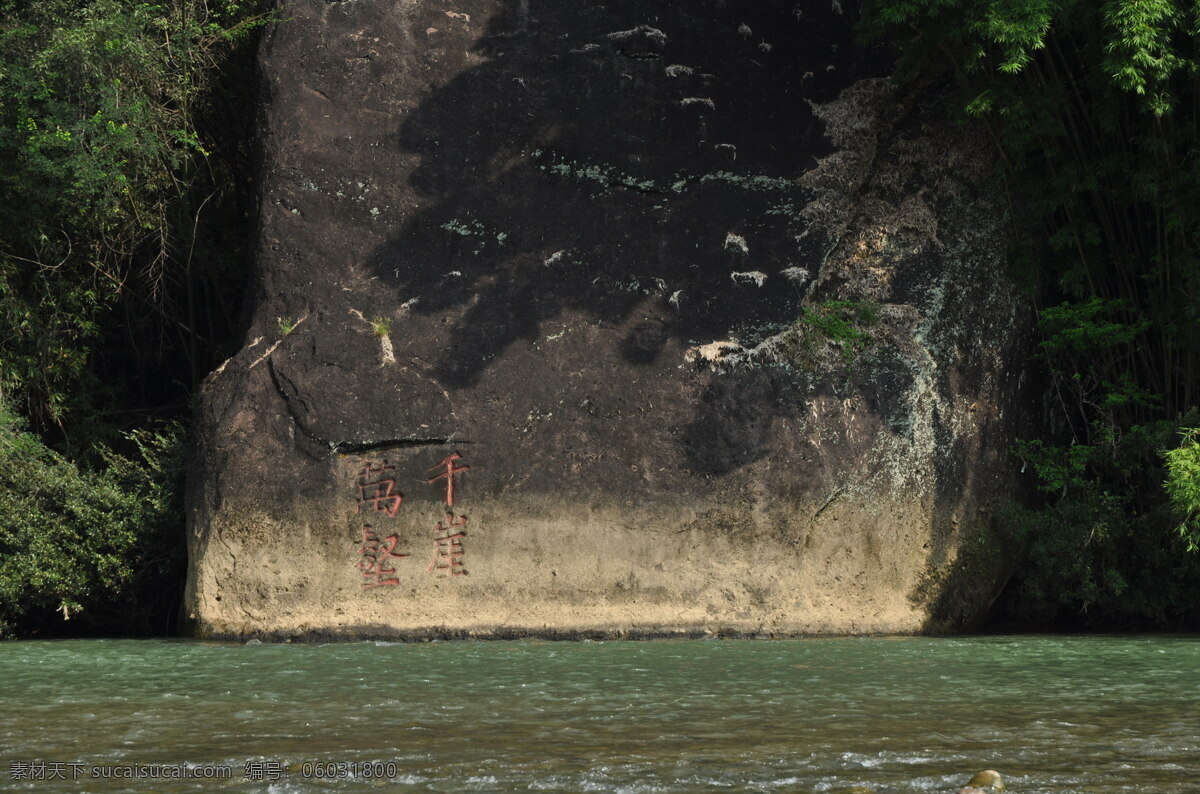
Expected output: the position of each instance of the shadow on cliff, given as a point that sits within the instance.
(962, 595)
(624, 161)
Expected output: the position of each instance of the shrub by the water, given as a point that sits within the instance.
(124, 220)
(91, 545)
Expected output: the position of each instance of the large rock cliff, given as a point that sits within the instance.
(629, 318)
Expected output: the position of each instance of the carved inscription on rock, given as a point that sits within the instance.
(377, 492)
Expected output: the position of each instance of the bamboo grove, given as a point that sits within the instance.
(1093, 111)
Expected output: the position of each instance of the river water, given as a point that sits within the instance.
(1054, 714)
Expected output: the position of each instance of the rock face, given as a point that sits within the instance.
(708, 325)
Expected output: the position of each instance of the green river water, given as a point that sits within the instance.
(1053, 714)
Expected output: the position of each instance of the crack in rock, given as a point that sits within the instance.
(278, 379)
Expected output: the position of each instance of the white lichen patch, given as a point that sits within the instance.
(678, 69)
(875, 223)
(796, 275)
(697, 100)
(654, 34)
(601, 173)
(382, 330)
(755, 277)
(387, 352)
(755, 182)
(479, 234)
(736, 242)
(276, 344)
(711, 353)
(455, 226)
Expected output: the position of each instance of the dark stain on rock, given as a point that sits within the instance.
(644, 342)
(609, 152)
(733, 421)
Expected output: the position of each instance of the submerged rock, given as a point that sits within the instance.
(985, 782)
(606, 320)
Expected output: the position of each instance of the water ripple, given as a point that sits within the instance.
(1056, 714)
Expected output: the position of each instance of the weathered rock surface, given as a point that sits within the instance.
(988, 781)
(719, 322)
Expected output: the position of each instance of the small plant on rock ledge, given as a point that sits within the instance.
(842, 322)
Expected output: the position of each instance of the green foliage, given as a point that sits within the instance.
(1057, 469)
(1094, 109)
(76, 541)
(103, 161)
(120, 213)
(381, 326)
(1183, 484)
(1095, 552)
(1140, 53)
(1070, 564)
(1085, 327)
(843, 322)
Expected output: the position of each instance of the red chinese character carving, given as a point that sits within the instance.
(374, 554)
(448, 474)
(448, 549)
(384, 496)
